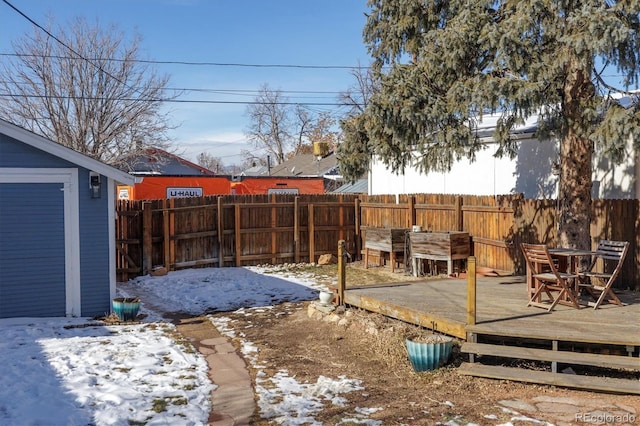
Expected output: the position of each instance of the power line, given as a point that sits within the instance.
(253, 92)
(193, 101)
(216, 64)
(98, 67)
(241, 92)
(190, 63)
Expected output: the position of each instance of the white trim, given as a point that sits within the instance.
(111, 217)
(68, 177)
(72, 244)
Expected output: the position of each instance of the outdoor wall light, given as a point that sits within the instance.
(94, 184)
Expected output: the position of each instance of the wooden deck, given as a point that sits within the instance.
(507, 329)
(501, 306)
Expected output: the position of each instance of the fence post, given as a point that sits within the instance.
(358, 236)
(341, 216)
(220, 234)
(238, 235)
(412, 212)
(274, 226)
(471, 290)
(312, 237)
(166, 236)
(147, 238)
(296, 229)
(342, 279)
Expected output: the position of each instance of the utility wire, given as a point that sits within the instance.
(98, 67)
(190, 63)
(190, 101)
(245, 92)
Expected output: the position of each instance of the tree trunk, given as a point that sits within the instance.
(576, 151)
(574, 222)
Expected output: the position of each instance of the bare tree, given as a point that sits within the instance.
(304, 122)
(253, 158)
(354, 151)
(210, 162)
(357, 96)
(323, 130)
(283, 130)
(269, 123)
(85, 88)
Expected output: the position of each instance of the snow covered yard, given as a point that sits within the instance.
(79, 371)
(67, 372)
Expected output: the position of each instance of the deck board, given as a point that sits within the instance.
(501, 310)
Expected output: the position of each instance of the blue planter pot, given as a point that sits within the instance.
(430, 354)
(126, 308)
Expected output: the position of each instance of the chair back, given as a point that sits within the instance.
(612, 253)
(539, 258)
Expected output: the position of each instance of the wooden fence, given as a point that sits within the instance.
(497, 225)
(231, 231)
(248, 230)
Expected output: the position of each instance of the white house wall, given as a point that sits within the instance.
(485, 176)
(617, 180)
(530, 173)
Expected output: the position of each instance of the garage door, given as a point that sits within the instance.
(32, 251)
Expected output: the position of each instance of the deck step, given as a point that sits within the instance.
(604, 384)
(564, 357)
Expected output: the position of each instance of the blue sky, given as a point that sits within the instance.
(252, 32)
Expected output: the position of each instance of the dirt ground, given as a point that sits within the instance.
(369, 347)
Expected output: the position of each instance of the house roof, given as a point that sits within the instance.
(255, 171)
(487, 126)
(307, 165)
(61, 151)
(156, 161)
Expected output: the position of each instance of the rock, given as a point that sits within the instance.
(327, 259)
(334, 318)
(518, 404)
(158, 271)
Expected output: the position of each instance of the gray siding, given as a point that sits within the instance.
(17, 154)
(94, 248)
(32, 261)
(94, 234)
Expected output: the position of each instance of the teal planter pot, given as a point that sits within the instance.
(126, 308)
(429, 353)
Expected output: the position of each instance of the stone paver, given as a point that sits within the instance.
(571, 411)
(233, 400)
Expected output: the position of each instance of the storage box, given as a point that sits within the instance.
(439, 245)
(447, 246)
(385, 239)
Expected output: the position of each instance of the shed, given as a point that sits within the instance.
(57, 228)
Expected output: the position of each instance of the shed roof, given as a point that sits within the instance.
(358, 187)
(61, 151)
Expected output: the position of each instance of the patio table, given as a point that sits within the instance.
(568, 261)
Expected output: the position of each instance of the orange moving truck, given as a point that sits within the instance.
(163, 187)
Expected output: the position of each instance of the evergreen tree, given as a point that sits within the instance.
(443, 64)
